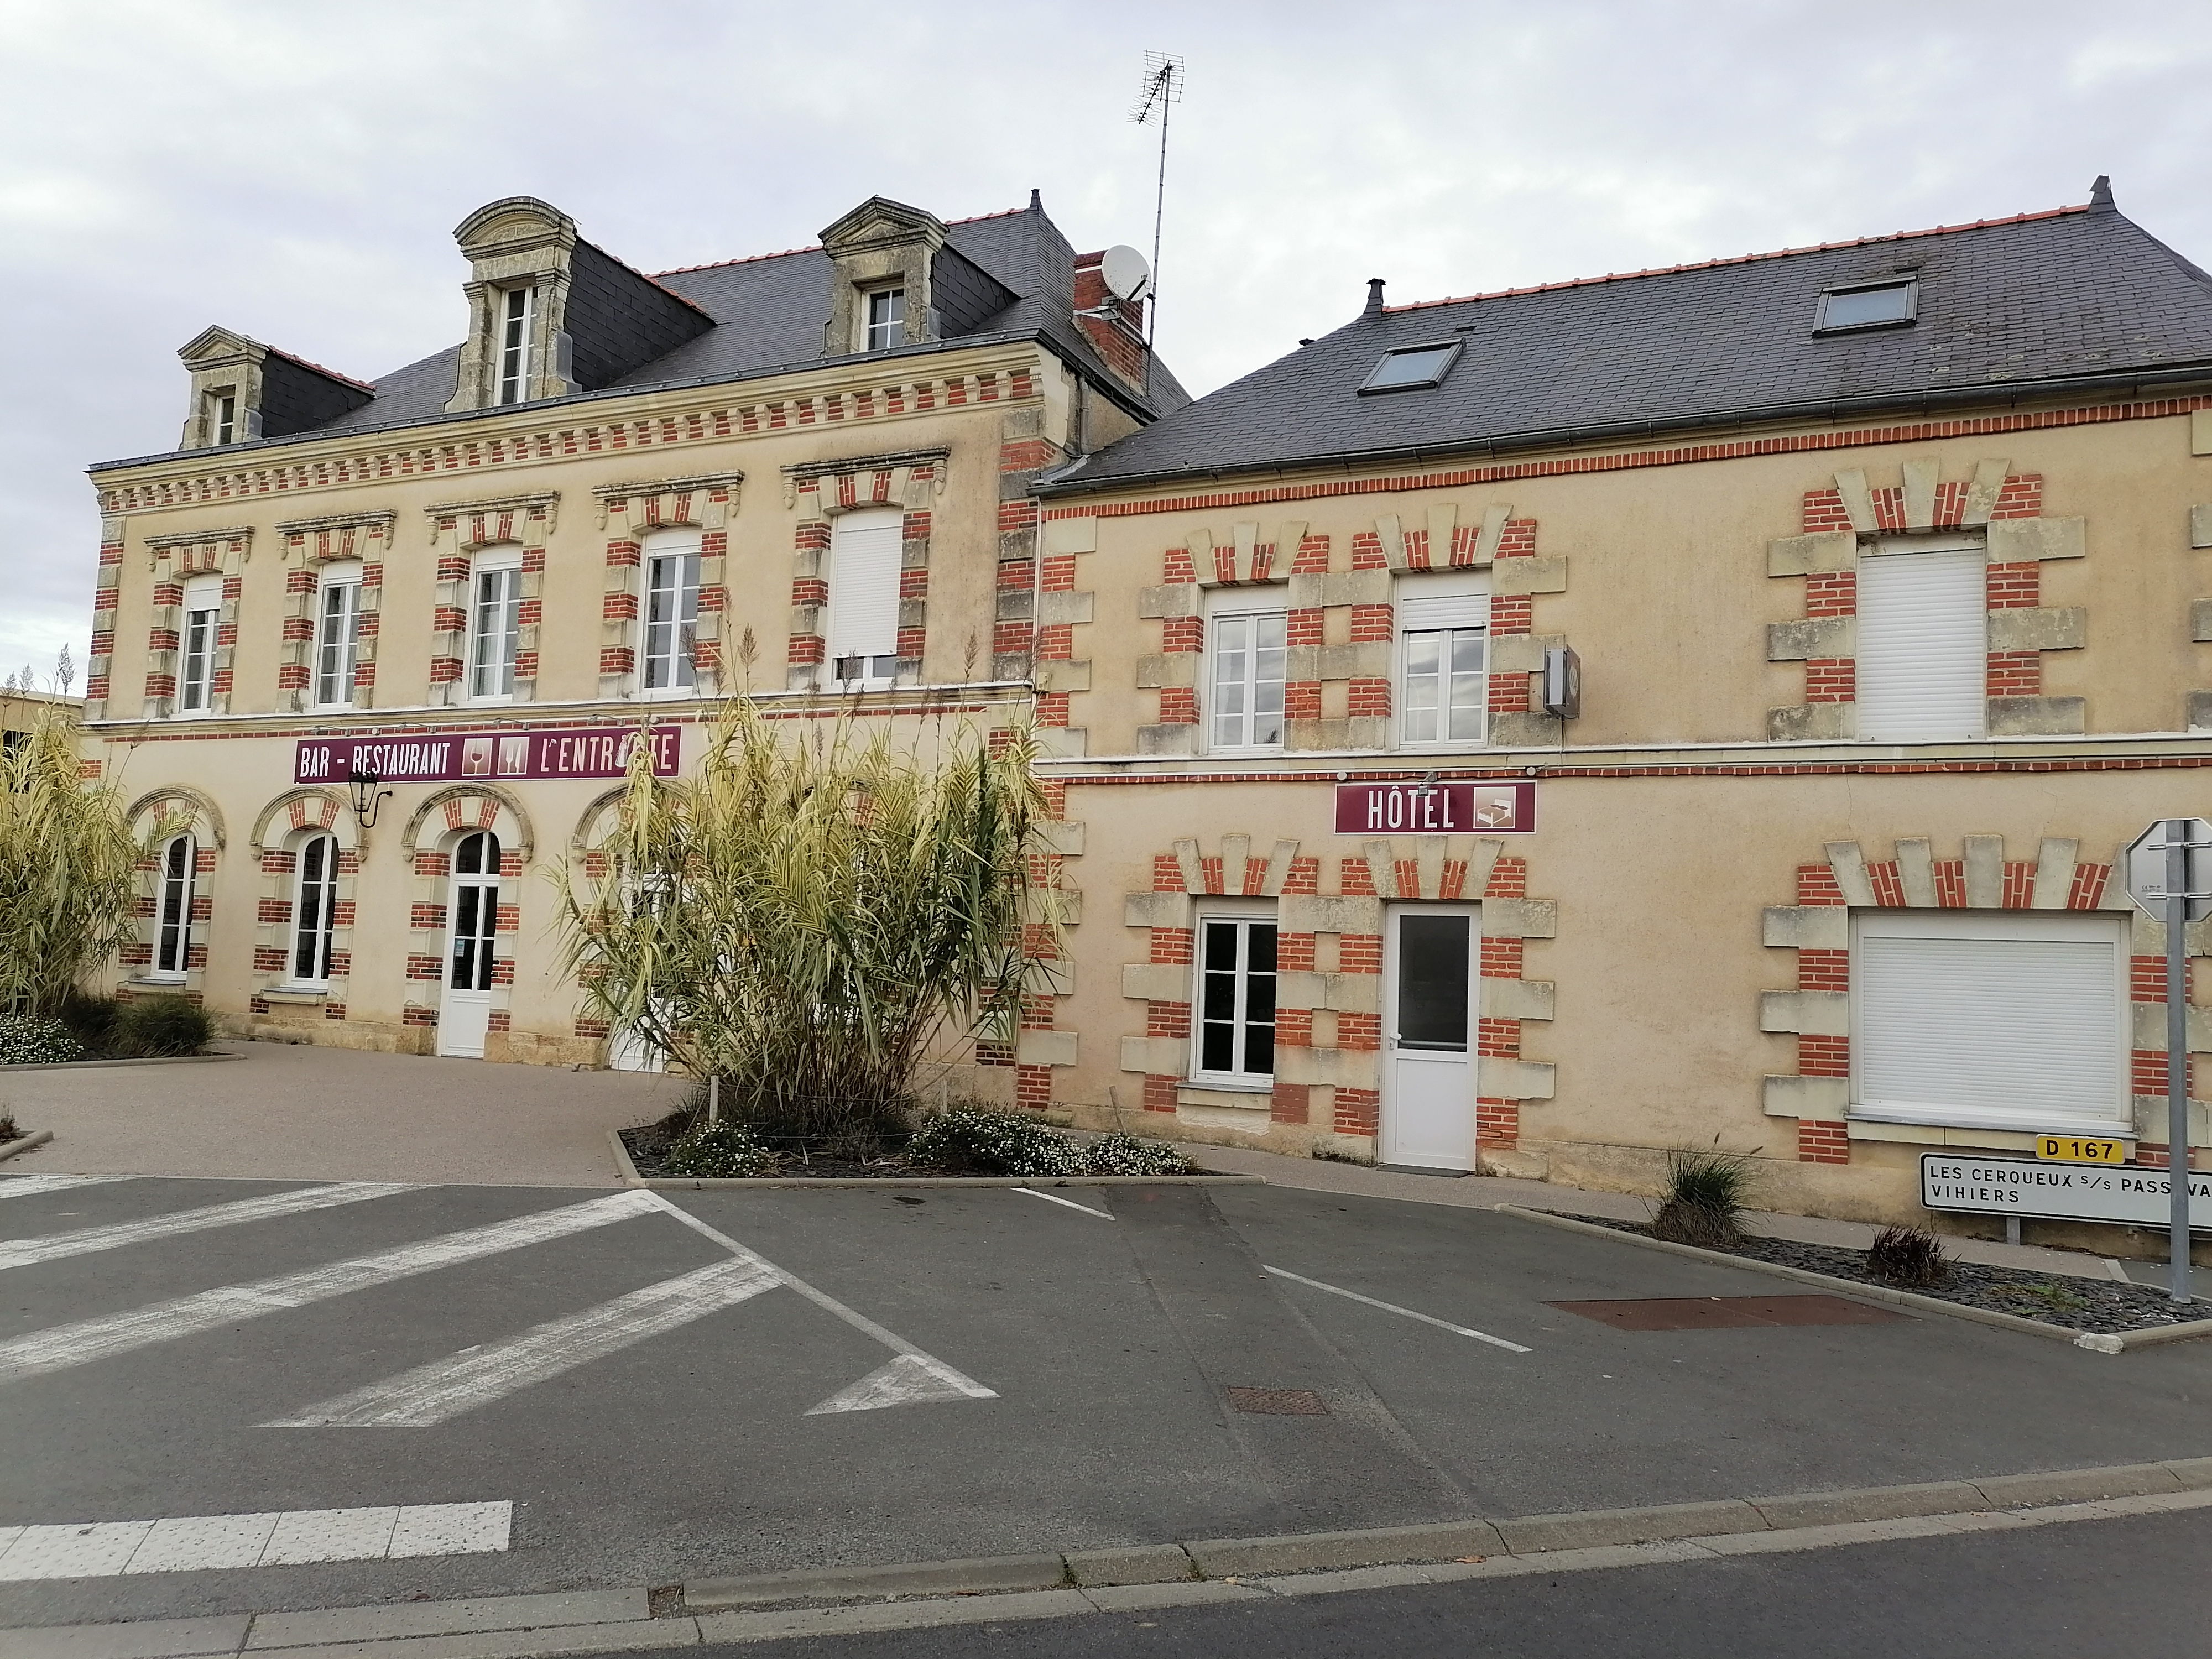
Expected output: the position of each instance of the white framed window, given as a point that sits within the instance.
(1444, 660)
(1246, 649)
(222, 417)
(173, 908)
(865, 558)
(672, 611)
(314, 909)
(337, 634)
(517, 316)
(886, 318)
(495, 624)
(476, 911)
(1233, 1015)
(2012, 1020)
(1923, 641)
(197, 642)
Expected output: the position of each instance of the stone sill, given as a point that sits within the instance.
(293, 995)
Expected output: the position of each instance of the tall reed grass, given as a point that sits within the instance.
(67, 869)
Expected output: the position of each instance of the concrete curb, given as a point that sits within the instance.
(994, 1589)
(36, 1138)
(2093, 1341)
(630, 1177)
(107, 1065)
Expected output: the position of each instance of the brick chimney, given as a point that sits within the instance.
(1118, 335)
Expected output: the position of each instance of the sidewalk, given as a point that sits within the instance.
(1487, 1192)
(285, 1112)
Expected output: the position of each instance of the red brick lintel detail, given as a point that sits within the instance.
(1718, 769)
(1686, 455)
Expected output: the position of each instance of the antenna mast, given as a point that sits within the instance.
(1161, 90)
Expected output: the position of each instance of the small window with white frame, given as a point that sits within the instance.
(517, 319)
(495, 624)
(671, 613)
(337, 633)
(197, 642)
(1444, 660)
(222, 415)
(866, 552)
(314, 909)
(886, 324)
(1922, 640)
(2013, 1021)
(1247, 649)
(1233, 1015)
(173, 908)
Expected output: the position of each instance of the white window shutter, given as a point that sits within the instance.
(864, 584)
(2005, 1021)
(203, 593)
(1454, 611)
(1924, 647)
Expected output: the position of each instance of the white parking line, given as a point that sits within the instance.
(64, 1345)
(1392, 1307)
(24, 1186)
(476, 1377)
(197, 1543)
(1029, 1192)
(24, 1252)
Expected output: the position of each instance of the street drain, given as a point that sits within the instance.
(1277, 1402)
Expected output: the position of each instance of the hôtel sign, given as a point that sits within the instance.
(453, 756)
(1463, 806)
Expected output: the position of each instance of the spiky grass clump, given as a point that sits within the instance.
(810, 919)
(68, 870)
(1908, 1255)
(162, 1027)
(1704, 1202)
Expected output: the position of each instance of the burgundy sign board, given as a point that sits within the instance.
(601, 752)
(1465, 807)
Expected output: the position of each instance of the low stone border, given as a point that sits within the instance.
(630, 1177)
(2094, 1341)
(25, 1143)
(995, 1590)
(99, 1065)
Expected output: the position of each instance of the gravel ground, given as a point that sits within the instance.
(2079, 1304)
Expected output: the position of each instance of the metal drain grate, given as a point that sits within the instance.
(1277, 1402)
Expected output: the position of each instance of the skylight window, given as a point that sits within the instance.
(1412, 367)
(1871, 305)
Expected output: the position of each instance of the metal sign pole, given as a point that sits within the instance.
(2177, 1055)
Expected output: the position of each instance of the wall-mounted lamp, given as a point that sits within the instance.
(366, 795)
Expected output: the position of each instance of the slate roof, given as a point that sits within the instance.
(2008, 308)
(769, 311)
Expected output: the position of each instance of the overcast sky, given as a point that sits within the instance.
(294, 171)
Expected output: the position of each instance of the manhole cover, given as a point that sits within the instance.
(1277, 1402)
(1724, 1313)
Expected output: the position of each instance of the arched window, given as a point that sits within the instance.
(173, 908)
(476, 911)
(314, 909)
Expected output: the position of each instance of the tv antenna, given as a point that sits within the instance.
(1161, 91)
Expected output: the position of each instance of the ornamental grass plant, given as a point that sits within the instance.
(68, 870)
(1704, 1202)
(813, 918)
(1908, 1255)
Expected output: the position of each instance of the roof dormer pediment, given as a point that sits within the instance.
(217, 347)
(879, 222)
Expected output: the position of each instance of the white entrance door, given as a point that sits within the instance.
(1428, 1049)
(465, 1013)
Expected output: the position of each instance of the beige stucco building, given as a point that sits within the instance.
(1528, 731)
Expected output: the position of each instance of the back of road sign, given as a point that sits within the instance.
(2145, 862)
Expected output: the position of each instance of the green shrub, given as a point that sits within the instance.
(161, 1027)
(27, 1040)
(1908, 1255)
(728, 1150)
(91, 1021)
(1704, 1198)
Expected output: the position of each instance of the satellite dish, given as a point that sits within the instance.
(1128, 277)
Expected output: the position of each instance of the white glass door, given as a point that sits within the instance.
(465, 1013)
(1428, 1048)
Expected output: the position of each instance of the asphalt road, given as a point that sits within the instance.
(2071, 1592)
(1099, 1351)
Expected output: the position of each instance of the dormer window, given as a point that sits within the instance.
(886, 319)
(1891, 304)
(1411, 367)
(222, 417)
(514, 344)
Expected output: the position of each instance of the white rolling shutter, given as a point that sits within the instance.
(1416, 614)
(864, 590)
(1993, 1020)
(1923, 645)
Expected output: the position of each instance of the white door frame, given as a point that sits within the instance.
(1428, 1116)
(464, 1016)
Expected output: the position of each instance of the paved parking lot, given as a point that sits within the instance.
(669, 1388)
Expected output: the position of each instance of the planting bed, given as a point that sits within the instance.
(962, 1143)
(2078, 1304)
